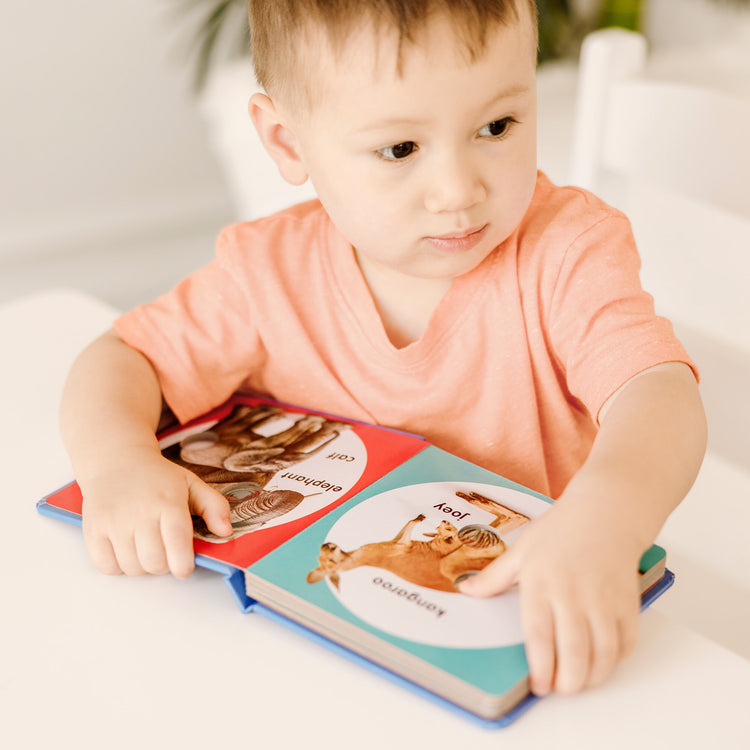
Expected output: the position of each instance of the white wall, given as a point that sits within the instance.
(676, 22)
(100, 141)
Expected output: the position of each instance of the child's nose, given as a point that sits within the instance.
(455, 185)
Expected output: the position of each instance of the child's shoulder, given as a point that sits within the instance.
(293, 227)
(568, 230)
(563, 218)
(566, 208)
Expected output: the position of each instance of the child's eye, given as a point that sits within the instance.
(398, 151)
(497, 128)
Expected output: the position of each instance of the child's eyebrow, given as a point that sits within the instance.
(508, 93)
(388, 122)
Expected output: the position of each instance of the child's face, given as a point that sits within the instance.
(425, 172)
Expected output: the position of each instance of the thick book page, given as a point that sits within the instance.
(379, 572)
(281, 468)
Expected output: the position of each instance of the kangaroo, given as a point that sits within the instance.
(436, 563)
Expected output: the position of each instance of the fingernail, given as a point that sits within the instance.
(539, 690)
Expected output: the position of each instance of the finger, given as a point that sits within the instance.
(628, 627)
(102, 555)
(127, 556)
(211, 505)
(150, 550)
(498, 576)
(539, 640)
(177, 535)
(605, 649)
(573, 650)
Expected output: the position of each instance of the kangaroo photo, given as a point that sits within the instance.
(448, 554)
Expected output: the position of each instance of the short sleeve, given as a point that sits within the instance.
(199, 337)
(603, 325)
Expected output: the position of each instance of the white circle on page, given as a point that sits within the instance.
(323, 477)
(407, 609)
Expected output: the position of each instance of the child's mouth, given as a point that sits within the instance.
(457, 242)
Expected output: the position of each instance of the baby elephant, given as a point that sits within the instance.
(253, 443)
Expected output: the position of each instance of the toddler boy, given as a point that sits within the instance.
(440, 285)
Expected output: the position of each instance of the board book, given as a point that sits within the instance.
(356, 535)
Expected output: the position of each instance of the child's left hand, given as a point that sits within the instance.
(578, 578)
(577, 565)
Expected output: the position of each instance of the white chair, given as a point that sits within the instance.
(690, 140)
(255, 185)
(676, 159)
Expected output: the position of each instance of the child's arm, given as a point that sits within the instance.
(576, 565)
(137, 505)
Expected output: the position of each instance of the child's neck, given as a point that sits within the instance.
(405, 303)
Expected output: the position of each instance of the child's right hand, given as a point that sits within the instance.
(137, 514)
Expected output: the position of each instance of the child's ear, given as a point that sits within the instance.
(277, 138)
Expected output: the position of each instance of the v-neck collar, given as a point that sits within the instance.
(454, 309)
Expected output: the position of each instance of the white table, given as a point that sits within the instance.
(90, 661)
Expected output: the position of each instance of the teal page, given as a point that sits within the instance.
(431, 498)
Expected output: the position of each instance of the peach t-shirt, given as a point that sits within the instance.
(511, 372)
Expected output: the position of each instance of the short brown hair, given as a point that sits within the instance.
(275, 26)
